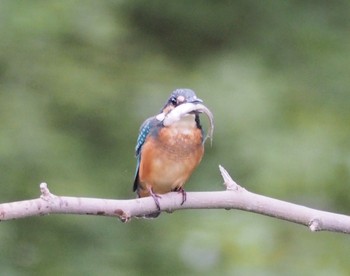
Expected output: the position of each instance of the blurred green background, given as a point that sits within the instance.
(77, 78)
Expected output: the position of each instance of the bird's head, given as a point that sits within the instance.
(183, 106)
(178, 97)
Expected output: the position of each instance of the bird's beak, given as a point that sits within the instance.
(195, 100)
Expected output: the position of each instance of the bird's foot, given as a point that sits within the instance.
(183, 192)
(155, 198)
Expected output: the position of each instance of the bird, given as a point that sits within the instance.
(168, 155)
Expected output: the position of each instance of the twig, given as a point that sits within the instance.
(235, 197)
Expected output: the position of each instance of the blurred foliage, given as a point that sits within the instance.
(77, 78)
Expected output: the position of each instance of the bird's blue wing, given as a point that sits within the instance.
(144, 132)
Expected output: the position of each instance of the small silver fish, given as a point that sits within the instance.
(186, 108)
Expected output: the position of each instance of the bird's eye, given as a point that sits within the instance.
(173, 101)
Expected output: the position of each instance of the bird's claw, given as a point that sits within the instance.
(183, 192)
(155, 198)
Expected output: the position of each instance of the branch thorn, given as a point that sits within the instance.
(45, 192)
(230, 184)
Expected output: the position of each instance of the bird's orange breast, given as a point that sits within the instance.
(169, 158)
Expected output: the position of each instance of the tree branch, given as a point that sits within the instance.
(235, 197)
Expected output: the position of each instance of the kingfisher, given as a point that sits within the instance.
(168, 154)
